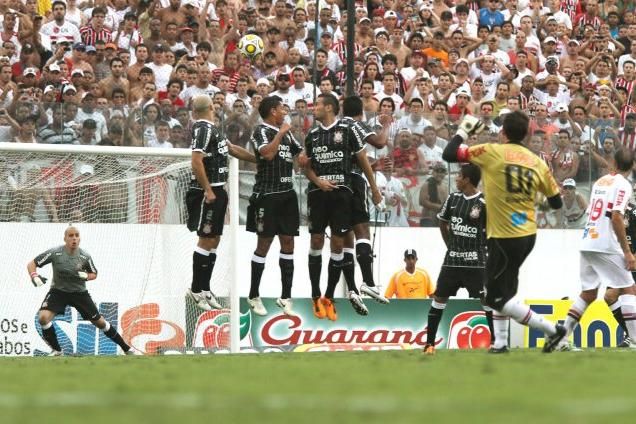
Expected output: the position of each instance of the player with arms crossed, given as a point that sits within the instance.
(463, 226)
(606, 257)
(72, 268)
(329, 148)
(206, 199)
(513, 176)
(273, 208)
(352, 110)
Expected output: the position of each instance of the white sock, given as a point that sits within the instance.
(524, 315)
(574, 314)
(500, 323)
(107, 327)
(628, 308)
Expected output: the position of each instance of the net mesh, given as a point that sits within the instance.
(131, 213)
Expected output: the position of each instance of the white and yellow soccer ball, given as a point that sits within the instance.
(251, 45)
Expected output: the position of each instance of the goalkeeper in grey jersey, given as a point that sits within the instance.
(72, 267)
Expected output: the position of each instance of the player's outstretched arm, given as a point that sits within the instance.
(240, 153)
(453, 151)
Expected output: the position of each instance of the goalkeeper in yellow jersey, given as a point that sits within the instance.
(512, 177)
(72, 268)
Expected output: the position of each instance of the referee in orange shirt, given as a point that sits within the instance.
(411, 282)
(513, 177)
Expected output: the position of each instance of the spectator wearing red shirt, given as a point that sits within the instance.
(405, 159)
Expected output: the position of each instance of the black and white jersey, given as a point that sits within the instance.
(330, 150)
(207, 140)
(630, 226)
(274, 176)
(467, 230)
(361, 131)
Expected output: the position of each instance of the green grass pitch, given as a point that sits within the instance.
(394, 387)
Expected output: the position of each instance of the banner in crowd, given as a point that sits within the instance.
(597, 328)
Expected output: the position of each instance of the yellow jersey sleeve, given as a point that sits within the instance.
(483, 155)
(547, 183)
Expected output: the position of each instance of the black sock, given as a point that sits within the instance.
(348, 269)
(199, 269)
(618, 315)
(364, 254)
(286, 263)
(205, 281)
(434, 317)
(50, 337)
(491, 326)
(315, 267)
(258, 265)
(112, 334)
(333, 276)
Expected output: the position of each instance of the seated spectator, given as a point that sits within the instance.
(410, 282)
(87, 133)
(414, 120)
(565, 162)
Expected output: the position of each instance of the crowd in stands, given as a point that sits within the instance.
(123, 73)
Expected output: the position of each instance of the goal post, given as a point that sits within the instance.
(129, 204)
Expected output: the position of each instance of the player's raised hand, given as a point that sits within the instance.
(37, 280)
(284, 129)
(470, 125)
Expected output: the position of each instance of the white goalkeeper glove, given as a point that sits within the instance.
(470, 125)
(37, 280)
(83, 275)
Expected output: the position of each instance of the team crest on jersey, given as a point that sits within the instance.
(475, 212)
(337, 137)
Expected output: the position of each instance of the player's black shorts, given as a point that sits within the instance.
(452, 278)
(359, 205)
(206, 219)
(57, 300)
(505, 257)
(329, 208)
(273, 214)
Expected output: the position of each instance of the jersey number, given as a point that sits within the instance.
(519, 179)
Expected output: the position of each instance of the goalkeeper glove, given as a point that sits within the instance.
(37, 280)
(470, 125)
(82, 275)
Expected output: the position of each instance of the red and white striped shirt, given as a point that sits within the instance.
(90, 35)
(621, 82)
(627, 138)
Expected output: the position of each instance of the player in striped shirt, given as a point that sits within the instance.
(463, 226)
(273, 208)
(206, 199)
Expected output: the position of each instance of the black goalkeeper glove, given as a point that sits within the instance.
(38, 280)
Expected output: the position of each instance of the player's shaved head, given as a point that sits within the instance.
(70, 229)
(201, 104)
(624, 159)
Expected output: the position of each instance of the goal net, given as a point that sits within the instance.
(128, 204)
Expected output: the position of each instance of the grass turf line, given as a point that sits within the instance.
(401, 386)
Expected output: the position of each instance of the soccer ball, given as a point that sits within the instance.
(251, 45)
